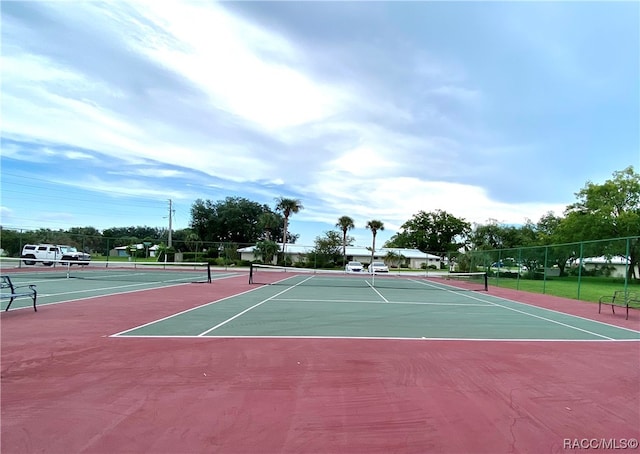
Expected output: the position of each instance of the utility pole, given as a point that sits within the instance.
(170, 223)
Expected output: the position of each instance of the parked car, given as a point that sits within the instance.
(48, 253)
(378, 267)
(353, 267)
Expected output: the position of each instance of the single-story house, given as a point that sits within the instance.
(412, 257)
(123, 251)
(617, 264)
(295, 252)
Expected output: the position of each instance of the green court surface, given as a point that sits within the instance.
(364, 311)
(53, 286)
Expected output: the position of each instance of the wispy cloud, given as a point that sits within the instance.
(371, 113)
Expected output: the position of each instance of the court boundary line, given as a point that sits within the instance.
(443, 339)
(292, 300)
(43, 295)
(376, 290)
(538, 316)
(550, 320)
(572, 315)
(121, 333)
(488, 303)
(542, 308)
(250, 308)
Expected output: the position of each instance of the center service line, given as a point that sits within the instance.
(252, 307)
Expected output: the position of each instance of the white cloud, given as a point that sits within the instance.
(221, 54)
(396, 200)
(248, 110)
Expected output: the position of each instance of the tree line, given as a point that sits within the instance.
(601, 210)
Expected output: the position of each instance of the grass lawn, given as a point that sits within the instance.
(589, 288)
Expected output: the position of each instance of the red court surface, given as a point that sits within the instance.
(68, 388)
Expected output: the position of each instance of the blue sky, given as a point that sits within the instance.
(375, 110)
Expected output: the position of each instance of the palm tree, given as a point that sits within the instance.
(268, 222)
(395, 258)
(287, 207)
(345, 223)
(374, 226)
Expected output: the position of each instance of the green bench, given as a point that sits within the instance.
(620, 298)
(8, 290)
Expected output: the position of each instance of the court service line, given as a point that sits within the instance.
(252, 307)
(566, 325)
(169, 283)
(298, 300)
(375, 290)
(121, 333)
(537, 316)
(29, 306)
(520, 303)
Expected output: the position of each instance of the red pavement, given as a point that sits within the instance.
(66, 388)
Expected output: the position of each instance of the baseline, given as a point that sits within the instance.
(543, 310)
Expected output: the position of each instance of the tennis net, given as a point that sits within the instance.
(418, 280)
(152, 272)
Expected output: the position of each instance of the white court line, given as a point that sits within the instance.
(486, 303)
(443, 339)
(189, 310)
(536, 316)
(101, 296)
(375, 290)
(421, 303)
(180, 313)
(98, 277)
(101, 289)
(93, 297)
(252, 307)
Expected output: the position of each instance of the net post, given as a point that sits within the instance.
(251, 273)
(486, 282)
(208, 272)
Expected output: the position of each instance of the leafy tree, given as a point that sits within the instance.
(496, 236)
(12, 241)
(345, 223)
(266, 250)
(327, 250)
(375, 226)
(547, 228)
(87, 239)
(271, 225)
(191, 241)
(395, 258)
(234, 219)
(608, 210)
(203, 214)
(287, 207)
(548, 233)
(436, 232)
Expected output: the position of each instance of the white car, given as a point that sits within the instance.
(353, 267)
(378, 267)
(47, 253)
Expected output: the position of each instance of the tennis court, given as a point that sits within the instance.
(309, 362)
(61, 281)
(336, 305)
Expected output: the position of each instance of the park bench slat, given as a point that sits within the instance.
(12, 291)
(620, 298)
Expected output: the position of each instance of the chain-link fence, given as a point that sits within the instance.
(580, 270)
(102, 247)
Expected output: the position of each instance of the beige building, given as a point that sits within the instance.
(412, 257)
